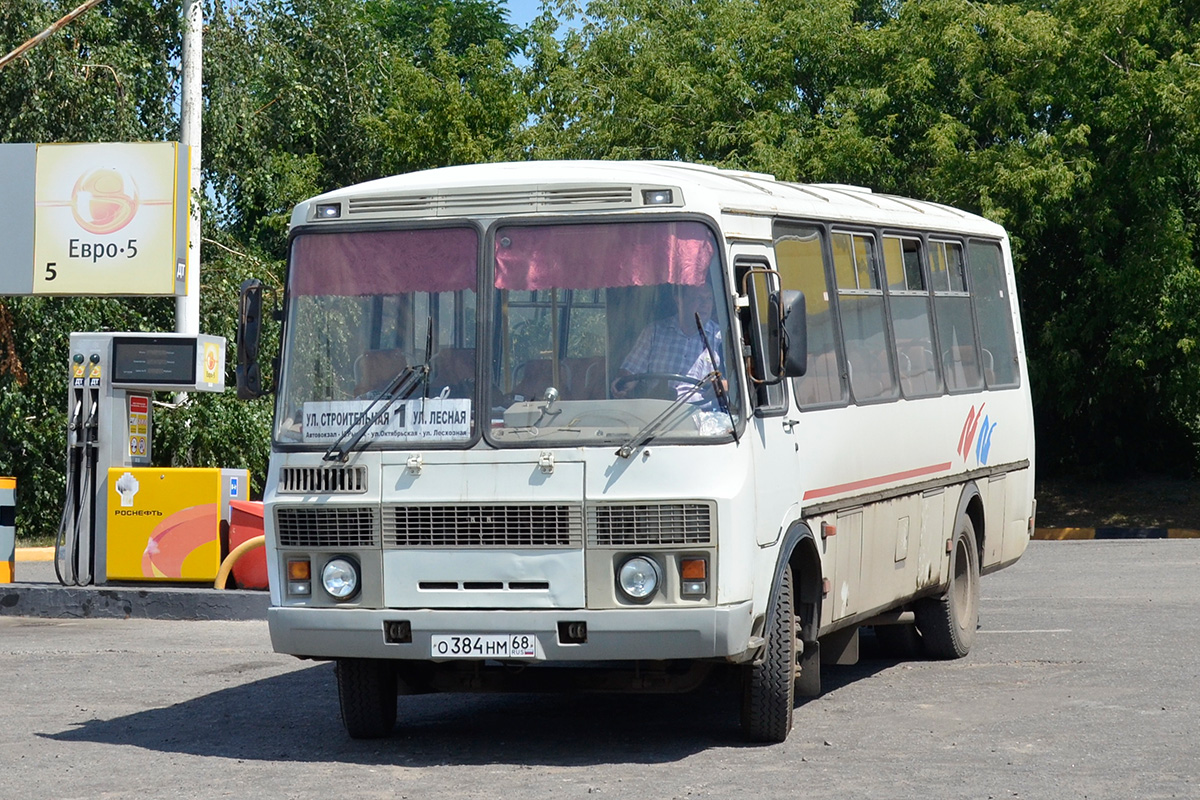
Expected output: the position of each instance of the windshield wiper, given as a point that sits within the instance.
(400, 387)
(719, 382)
(651, 428)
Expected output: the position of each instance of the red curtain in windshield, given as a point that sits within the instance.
(384, 262)
(599, 256)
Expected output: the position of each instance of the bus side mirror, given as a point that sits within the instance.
(249, 332)
(794, 334)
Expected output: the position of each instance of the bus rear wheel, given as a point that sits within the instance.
(367, 696)
(948, 623)
(769, 689)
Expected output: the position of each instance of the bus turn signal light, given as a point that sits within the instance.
(693, 573)
(299, 576)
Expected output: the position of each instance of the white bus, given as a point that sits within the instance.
(621, 425)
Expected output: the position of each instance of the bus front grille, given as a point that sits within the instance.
(649, 524)
(323, 480)
(327, 526)
(483, 526)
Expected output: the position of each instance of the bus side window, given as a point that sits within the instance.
(860, 305)
(799, 257)
(952, 312)
(911, 326)
(993, 310)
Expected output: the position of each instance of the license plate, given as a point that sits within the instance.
(493, 645)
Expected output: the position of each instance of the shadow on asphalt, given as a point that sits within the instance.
(294, 717)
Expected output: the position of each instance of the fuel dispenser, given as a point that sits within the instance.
(123, 519)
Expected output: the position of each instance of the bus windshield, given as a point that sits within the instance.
(594, 333)
(591, 336)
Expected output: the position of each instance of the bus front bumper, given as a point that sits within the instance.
(612, 635)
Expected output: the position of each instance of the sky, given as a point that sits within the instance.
(522, 12)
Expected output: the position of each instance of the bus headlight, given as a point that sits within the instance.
(639, 577)
(340, 578)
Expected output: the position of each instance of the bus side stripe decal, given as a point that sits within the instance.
(813, 494)
(967, 437)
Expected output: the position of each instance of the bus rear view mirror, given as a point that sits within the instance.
(249, 332)
(765, 321)
(794, 332)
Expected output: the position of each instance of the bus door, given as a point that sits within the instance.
(772, 430)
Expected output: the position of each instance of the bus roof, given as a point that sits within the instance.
(580, 186)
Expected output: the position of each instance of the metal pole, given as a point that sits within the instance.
(187, 308)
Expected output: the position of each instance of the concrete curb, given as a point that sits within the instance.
(35, 554)
(1064, 534)
(37, 593)
(119, 602)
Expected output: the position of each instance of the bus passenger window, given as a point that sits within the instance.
(860, 303)
(994, 313)
(952, 313)
(911, 326)
(800, 260)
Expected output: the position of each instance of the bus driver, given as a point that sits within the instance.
(671, 349)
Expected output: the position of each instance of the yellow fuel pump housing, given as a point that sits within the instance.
(169, 524)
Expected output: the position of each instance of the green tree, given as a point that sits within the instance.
(105, 77)
(305, 96)
(1126, 331)
(301, 96)
(1072, 123)
(728, 82)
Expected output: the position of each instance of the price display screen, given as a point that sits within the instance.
(145, 360)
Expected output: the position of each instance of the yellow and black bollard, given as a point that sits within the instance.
(8, 529)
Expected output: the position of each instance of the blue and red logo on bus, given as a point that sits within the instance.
(977, 433)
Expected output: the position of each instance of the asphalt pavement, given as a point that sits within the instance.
(1082, 685)
(37, 592)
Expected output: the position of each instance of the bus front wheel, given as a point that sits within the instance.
(367, 696)
(948, 623)
(769, 689)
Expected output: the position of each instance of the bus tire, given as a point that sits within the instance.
(367, 696)
(769, 688)
(947, 623)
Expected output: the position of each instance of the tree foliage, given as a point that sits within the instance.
(309, 95)
(106, 77)
(1074, 123)
(300, 97)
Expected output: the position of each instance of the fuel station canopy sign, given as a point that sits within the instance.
(94, 219)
